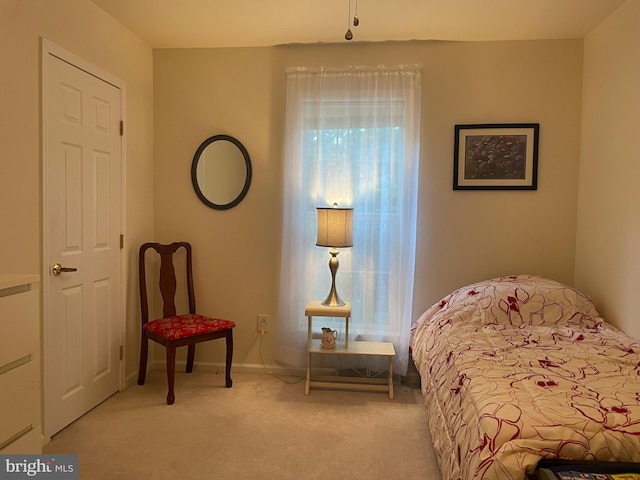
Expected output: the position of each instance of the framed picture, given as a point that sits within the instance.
(496, 157)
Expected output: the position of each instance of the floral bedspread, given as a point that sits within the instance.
(520, 368)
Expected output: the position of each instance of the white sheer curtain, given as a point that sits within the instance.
(352, 137)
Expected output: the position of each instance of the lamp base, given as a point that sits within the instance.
(333, 300)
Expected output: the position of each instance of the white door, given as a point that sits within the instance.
(82, 224)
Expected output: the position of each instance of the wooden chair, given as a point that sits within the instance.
(173, 330)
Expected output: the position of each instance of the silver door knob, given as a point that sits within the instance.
(57, 269)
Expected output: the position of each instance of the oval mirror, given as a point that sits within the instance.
(221, 172)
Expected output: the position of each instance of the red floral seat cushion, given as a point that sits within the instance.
(189, 325)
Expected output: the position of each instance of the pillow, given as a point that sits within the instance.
(520, 300)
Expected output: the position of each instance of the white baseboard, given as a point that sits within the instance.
(218, 369)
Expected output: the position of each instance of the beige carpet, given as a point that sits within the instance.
(261, 428)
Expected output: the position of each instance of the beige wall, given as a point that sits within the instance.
(463, 236)
(86, 31)
(189, 95)
(608, 233)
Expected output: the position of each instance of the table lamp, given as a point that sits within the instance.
(335, 230)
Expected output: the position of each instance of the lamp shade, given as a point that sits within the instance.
(335, 227)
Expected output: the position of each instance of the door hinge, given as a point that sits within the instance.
(121, 352)
(121, 241)
(121, 127)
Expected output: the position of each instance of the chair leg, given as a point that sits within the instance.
(142, 370)
(171, 372)
(229, 339)
(191, 353)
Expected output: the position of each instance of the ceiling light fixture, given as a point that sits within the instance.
(356, 21)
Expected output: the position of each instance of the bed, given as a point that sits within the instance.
(522, 368)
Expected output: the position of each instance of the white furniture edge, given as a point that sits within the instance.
(315, 308)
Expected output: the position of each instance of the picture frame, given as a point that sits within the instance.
(496, 156)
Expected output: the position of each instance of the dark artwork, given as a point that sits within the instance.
(495, 157)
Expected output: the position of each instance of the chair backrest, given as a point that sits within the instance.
(167, 278)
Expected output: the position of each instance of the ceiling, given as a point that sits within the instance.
(242, 23)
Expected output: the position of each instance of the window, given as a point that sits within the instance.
(352, 138)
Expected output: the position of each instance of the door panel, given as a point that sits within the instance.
(83, 202)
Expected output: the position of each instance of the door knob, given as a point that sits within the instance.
(57, 269)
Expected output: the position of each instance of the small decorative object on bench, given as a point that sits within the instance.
(173, 330)
(328, 339)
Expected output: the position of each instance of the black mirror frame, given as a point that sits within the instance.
(194, 176)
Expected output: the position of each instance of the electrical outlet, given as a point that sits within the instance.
(263, 323)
